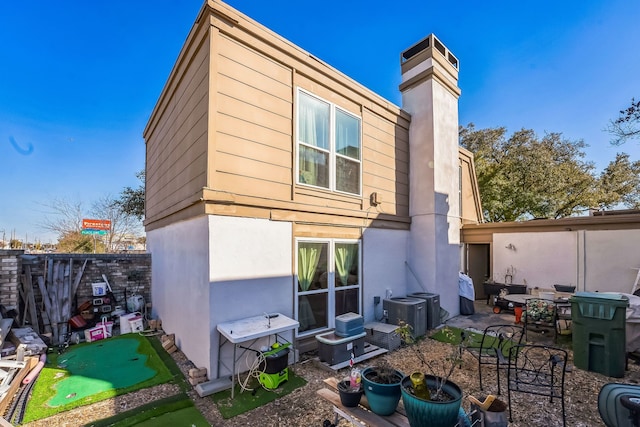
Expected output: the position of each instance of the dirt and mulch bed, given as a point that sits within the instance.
(304, 407)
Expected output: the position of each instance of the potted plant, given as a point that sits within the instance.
(349, 396)
(431, 399)
(382, 387)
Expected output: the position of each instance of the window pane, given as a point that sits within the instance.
(347, 175)
(346, 264)
(347, 135)
(314, 167)
(313, 121)
(312, 311)
(312, 266)
(347, 301)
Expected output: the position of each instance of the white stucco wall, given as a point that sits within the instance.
(384, 254)
(600, 260)
(180, 291)
(251, 273)
(611, 259)
(540, 259)
(434, 243)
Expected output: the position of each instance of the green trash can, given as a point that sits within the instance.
(599, 326)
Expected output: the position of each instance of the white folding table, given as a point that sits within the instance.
(247, 331)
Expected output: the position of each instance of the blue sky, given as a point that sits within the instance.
(78, 79)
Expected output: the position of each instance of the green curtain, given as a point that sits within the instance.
(308, 134)
(308, 257)
(345, 255)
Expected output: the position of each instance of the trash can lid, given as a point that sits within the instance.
(611, 296)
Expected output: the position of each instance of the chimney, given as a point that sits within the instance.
(430, 94)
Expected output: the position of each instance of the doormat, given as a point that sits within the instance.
(247, 400)
(174, 411)
(90, 372)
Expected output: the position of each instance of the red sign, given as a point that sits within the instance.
(96, 224)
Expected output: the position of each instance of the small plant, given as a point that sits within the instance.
(383, 373)
(441, 369)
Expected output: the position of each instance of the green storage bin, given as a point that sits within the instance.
(599, 326)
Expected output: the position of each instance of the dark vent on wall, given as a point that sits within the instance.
(440, 47)
(453, 60)
(413, 51)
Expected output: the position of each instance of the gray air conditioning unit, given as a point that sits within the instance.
(410, 310)
(433, 308)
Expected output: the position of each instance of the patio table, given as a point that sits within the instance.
(247, 331)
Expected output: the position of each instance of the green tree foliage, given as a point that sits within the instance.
(523, 177)
(627, 125)
(75, 242)
(620, 183)
(131, 200)
(65, 219)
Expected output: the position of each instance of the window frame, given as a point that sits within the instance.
(332, 151)
(331, 289)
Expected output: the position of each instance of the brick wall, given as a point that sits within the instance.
(10, 270)
(127, 274)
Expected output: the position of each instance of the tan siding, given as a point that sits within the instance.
(250, 95)
(182, 179)
(307, 198)
(253, 168)
(386, 163)
(176, 146)
(388, 167)
(245, 65)
(306, 230)
(253, 134)
(239, 157)
(275, 120)
(185, 108)
(185, 147)
(247, 186)
(264, 149)
(178, 139)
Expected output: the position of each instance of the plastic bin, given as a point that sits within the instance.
(349, 324)
(334, 349)
(599, 321)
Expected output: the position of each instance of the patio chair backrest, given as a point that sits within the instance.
(537, 370)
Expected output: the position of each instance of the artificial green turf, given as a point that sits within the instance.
(101, 367)
(186, 417)
(104, 378)
(246, 401)
(176, 410)
(452, 335)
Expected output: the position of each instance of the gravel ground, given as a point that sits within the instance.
(304, 407)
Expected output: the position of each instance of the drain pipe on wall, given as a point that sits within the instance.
(415, 276)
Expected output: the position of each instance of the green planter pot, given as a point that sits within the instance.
(428, 413)
(383, 398)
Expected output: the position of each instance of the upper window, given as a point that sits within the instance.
(329, 145)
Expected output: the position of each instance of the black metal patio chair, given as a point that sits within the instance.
(537, 370)
(493, 349)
